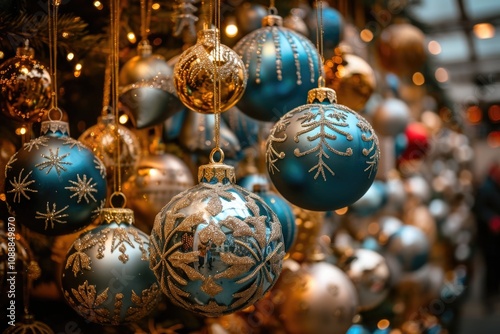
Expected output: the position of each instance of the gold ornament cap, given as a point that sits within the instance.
(144, 49)
(218, 171)
(25, 51)
(272, 21)
(117, 215)
(320, 94)
(52, 127)
(208, 37)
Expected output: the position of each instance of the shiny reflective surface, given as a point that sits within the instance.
(55, 185)
(410, 246)
(204, 65)
(106, 277)
(216, 247)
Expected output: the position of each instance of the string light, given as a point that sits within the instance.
(70, 56)
(366, 35)
(231, 29)
(131, 37)
(155, 6)
(98, 5)
(434, 47)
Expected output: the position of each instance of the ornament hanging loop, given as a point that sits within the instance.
(118, 200)
(212, 155)
(321, 82)
(57, 109)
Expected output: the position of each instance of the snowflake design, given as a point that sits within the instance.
(73, 142)
(89, 303)
(21, 186)
(37, 142)
(52, 216)
(100, 166)
(54, 161)
(97, 211)
(82, 188)
(12, 159)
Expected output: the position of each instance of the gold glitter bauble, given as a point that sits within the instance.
(203, 64)
(351, 77)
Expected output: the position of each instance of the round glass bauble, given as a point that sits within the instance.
(25, 87)
(370, 274)
(249, 16)
(322, 156)
(28, 325)
(245, 128)
(332, 27)
(216, 247)
(106, 139)
(391, 117)
(106, 277)
(372, 201)
(205, 65)
(146, 88)
(282, 67)
(316, 298)
(54, 184)
(410, 246)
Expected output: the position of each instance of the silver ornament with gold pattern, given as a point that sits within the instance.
(216, 248)
(106, 277)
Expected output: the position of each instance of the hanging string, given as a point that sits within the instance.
(319, 37)
(216, 79)
(53, 6)
(107, 82)
(146, 6)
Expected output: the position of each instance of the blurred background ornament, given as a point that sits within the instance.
(372, 201)
(351, 77)
(309, 225)
(282, 67)
(216, 247)
(410, 246)
(249, 16)
(106, 277)
(55, 185)
(332, 24)
(28, 325)
(147, 92)
(295, 21)
(206, 64)
(7, 149)
(173, 125)
(418, 143)
(103, 140)
(370, 274)
(245, 128)
(185, 20)
(401, 49)
(317, 297)
(391, 117)
(158, 178)
(198, 133)
(322, 146)
(25, 87)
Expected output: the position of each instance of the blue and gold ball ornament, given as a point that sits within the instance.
(106, 277)
(322, 156)
(216, 248)
(282, 67)
(54, 184)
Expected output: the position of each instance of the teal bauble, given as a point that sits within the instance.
(245, 128)
(283, 211)
(282, 67)
(322, 156)
(216, 248)
(372, 201)
(106, 277)
(54, 184)
(332, 24)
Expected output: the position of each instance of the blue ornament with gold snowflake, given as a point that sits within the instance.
(322, 156)
(54, 185)
(282, 67)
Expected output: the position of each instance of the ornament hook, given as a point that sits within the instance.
(212, 154)
(55, 109)
(118, 199)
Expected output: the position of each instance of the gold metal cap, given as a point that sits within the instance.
(117, 215)
(216, 170)
(321, 94)
(272, 20)
(53, 127)
(144, 49)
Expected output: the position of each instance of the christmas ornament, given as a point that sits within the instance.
(370, 274)
(103, 140)
(54, 185)
(7, 149)
(351, 77)
(25, 87)
(283, 211)
(332, 27)
(159, 177)
(216, 247)
(401, 49)
(358, 329)
(295, 21)
(146, 88)
(418, 144)
(106, 277)
(282, 67)
(205, 65)
(197, 135)
(322, 156)
(245, 128)
(249, 16)
(250, 181)
(185, 19)
(29, 326)
(391, 117)
(173, 125)
(389, 225)
(372, 201)
(410, 246)
(315, 298)
(418, 187)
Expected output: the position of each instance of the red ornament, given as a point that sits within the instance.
(418, 145)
